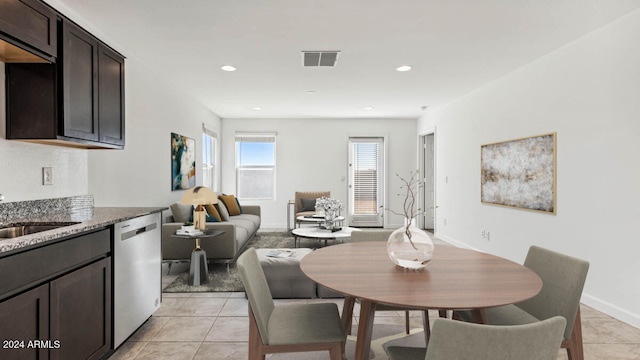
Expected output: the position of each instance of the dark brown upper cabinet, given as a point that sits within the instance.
(27, 25)
(79, 83)
(78, 101)
(111, 96)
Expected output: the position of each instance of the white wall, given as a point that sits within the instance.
(140, 175)
(21, 165)
(311, 155)
(587, 92)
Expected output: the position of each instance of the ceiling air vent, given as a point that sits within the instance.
(319, 58)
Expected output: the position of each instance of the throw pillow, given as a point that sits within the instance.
(212, 213)
(181, 212)
(222, 210)
(308, 204)
(231, 203)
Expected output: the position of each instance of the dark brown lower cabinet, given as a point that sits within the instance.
(80, 315)
(24, 319)
(57, 300)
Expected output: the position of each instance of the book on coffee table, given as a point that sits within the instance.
(279, 253)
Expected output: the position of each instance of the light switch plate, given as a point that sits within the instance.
(47, 176)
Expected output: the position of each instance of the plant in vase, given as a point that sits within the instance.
(188, 226)
(330, 207)
(409, 246)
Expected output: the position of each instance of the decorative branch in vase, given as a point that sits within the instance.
(410, 247)
(411, 186)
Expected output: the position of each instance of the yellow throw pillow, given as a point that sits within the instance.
(232, 205)
(212, 211)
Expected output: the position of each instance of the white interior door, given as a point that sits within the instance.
(366, 181)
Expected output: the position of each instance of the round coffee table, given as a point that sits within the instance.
(316, 220)
(322, 234)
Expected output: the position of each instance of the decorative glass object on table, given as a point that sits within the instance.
(409, 246)
(331, 209)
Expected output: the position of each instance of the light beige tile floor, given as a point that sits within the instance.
(215, 326)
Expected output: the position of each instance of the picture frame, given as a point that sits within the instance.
(183, 162)
(520, 173)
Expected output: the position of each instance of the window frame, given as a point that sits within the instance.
(210, 158)
(254, 137)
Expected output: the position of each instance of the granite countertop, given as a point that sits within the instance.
(82, 221)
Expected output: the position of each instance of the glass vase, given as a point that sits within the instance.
(330, 219)
(410, 247)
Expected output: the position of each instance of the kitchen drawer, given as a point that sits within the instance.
(43, 263)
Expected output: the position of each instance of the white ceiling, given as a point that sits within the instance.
(454, 46)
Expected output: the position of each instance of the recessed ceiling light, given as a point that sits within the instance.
(369, 108)
(310, 92)
(257, 108)
(403, 68)
(228, 68)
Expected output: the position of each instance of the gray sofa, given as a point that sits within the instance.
(225, 248)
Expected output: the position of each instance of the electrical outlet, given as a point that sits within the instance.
(482, 233)
(47, 176)
(488, 236)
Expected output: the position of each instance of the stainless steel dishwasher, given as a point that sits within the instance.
(137, 274)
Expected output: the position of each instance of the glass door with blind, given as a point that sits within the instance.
(366, 181)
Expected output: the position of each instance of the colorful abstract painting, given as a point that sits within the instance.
(183, 162)
(520, 173)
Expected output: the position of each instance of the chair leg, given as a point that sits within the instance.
(169, 267)
(407, 326)
(335, 353)
(574, 344)
(426, 326)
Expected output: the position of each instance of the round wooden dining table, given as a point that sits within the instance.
(455, 279)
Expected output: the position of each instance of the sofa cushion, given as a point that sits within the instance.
(222, 210)
(231, 203)
(181, 212)
(253, 219)
(212, 213)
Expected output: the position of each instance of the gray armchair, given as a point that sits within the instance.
(286, 328)
(465, 341)
(563, 279)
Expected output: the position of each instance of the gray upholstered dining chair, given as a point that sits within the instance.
(563, 279)
(383, 235)
(466, 341)
(286, 328)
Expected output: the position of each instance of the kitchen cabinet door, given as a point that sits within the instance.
(81, 312)
(30, 22)
(25, 318)
(111, 96)
(79, 83)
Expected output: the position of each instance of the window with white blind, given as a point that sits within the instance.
(255, 166)
(366, 181)
(209, 158)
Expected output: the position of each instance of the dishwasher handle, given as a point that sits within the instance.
(135, 232)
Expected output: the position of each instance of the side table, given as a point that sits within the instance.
(199, 270)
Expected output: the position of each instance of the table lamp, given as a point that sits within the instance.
(199, 196)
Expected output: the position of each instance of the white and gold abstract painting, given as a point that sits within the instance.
(520, 173)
